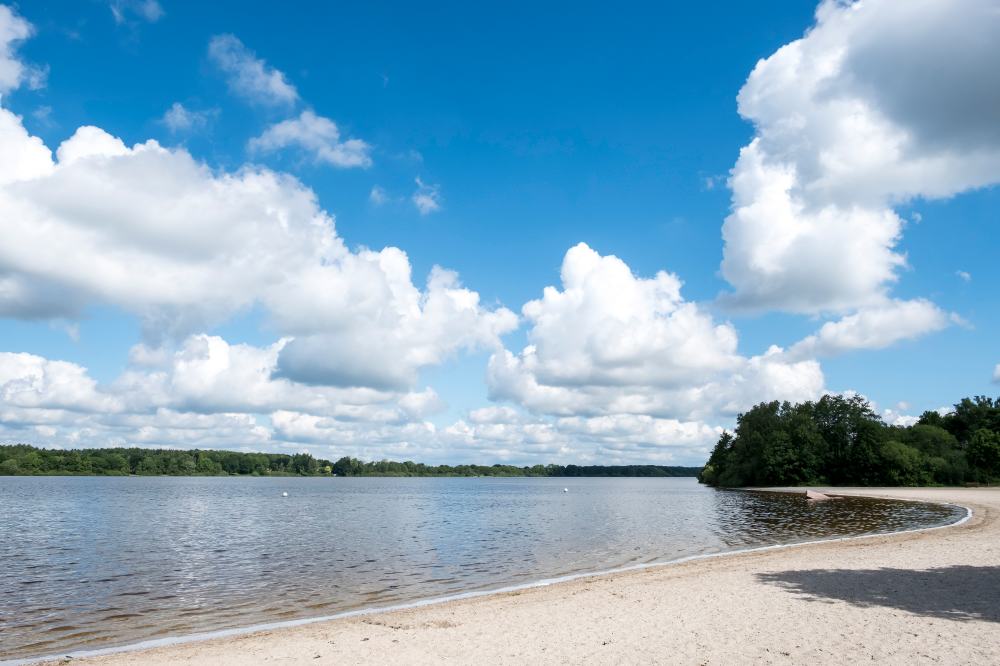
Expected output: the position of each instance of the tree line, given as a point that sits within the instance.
(23, 459)
(841, 441)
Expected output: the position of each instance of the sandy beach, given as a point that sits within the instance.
(924, 597)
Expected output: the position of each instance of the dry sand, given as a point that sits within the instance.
(912, 598)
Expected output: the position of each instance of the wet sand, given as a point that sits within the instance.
(925, 597)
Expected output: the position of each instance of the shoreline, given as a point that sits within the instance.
(169, 641)
(279, 637)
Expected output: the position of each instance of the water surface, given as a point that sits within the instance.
(90, 562)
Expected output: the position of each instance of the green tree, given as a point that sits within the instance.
(984, 453)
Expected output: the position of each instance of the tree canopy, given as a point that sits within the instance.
(22, 459)
(840, 440)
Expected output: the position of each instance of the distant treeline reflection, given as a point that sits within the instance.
(22, 459)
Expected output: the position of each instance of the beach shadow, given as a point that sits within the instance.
(959, 593)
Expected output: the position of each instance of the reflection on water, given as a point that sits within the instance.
(94, 562)
(742, 519)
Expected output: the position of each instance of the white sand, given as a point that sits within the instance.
(913, 598)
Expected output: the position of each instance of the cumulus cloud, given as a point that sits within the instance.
(179, 397)
(317, 136)
(28, 381)
(422, 328)
(155, 232)
(13, 71)
(896, 418)
(504, 433)
(610, 343)
(965, 276)
(878, 103)
(427, 197)
(873, 327)
(205, 375)
(608, 327)
(249, 76)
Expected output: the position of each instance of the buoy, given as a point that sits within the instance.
(565, 490)
(284, 494)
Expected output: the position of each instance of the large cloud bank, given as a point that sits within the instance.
(878, 104)
(881, 102)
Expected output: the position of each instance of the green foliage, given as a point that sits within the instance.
(22, 459)
(353, 467)
(842, 441)
(984, 452)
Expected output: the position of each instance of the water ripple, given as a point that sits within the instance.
(109, 561)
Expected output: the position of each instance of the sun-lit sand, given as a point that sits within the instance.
(913, 598)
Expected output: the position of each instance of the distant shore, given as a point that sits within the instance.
(28, 460)
(928, 596)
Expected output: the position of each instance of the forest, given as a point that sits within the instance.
(842, 441)
(22, 459)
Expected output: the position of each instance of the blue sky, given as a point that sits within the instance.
(534, 129)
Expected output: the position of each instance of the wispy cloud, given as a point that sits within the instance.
(427, 197)
(249, 76)
(378, 196)
(317, 136)
(13, 71)
(180, 119)
(123, 11)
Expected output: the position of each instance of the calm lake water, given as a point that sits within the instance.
(96, 562)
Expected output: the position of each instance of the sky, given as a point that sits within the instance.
(459, 233)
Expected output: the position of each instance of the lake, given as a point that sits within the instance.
(91, 562)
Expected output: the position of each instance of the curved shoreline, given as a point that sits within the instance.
(280, 626)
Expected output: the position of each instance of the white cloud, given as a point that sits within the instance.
(419, 330)
(179, 118)
(29, 381)
(199, 393)
(317, 136)
(996, 373)
(965, 276)
(608, 327)
(144, 10)
(427, 197)
(248, 75)
(24, 157)
(781, 252)
(896, 418)
(612, 343)
(206, 374)
(14, 72)
(506, 434)
(873, 327)
(152, 231)
(378, 196)
(848, 123)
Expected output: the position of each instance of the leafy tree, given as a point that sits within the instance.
(984, 452)
(24, 459)
(841, 440)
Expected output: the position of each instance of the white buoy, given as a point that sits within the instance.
(284, 494)
(565, 490)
